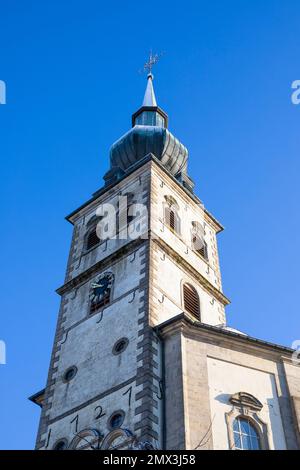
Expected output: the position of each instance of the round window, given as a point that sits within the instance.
(120, 346)
(70, 373)
(61, 444)
(116, 420)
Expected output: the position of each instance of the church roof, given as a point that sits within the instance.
(144, 139)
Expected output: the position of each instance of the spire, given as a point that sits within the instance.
(149, 98)
(150, 114)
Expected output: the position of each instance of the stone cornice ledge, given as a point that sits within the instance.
(186, 324)
(84, 276)
(148, 158)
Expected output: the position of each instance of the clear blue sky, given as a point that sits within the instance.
(71, 70)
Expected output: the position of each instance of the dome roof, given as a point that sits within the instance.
(142, 140)
(149, 136)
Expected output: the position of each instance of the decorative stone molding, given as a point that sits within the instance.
(171, 202)
(247, 406)
(245, 400)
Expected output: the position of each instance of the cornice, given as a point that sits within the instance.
(84, 276)
(148, 158)
(213, 334)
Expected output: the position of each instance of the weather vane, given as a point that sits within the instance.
(153, 59)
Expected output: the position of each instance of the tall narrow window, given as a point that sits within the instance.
(199, 245)
(171, 214)
(191, 300)
(245, 435)
(172, 219)
(246, 430)
(92, 239)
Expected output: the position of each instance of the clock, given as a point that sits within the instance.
(118, 439)
(101, 291)
(86, 439)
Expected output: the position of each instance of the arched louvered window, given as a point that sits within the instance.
(191, 300)
(200, 246)
(172, 219)
(92, 239)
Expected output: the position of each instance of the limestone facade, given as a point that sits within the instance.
(174, 382)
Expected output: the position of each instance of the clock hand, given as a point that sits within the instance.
(95, 285)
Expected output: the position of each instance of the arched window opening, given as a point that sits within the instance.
(92, 239)
(171, 216)
(200, 246)
(245, 435)
(191, 300)
(172, 219)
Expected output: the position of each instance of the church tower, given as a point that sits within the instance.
(142, 357)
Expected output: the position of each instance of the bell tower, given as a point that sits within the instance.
(141, 349)
(143, 250)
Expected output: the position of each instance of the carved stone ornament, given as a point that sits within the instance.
(245, 400)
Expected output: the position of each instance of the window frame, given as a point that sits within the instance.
(193, 288)
(87, 235)
(246, 406)
(204, 247)
(90, 227)
(176, 228)
(240, 433)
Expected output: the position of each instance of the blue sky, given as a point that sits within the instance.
(71, 70)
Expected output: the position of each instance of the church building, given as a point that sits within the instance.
(142, 355)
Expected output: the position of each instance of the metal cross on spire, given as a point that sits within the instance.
(153, 59)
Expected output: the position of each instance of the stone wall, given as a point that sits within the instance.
(214, 365)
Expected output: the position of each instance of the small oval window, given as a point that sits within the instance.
(120, 346)
(116, 420)
(61, 444)
(70, 374)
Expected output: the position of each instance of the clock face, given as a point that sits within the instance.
(100, 291)
(101, 286)
(87, 439)
(119, 443)
(118, 439)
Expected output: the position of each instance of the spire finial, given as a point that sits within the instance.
(149, 98)
(153, 59)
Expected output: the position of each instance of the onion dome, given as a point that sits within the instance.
(149, 135)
